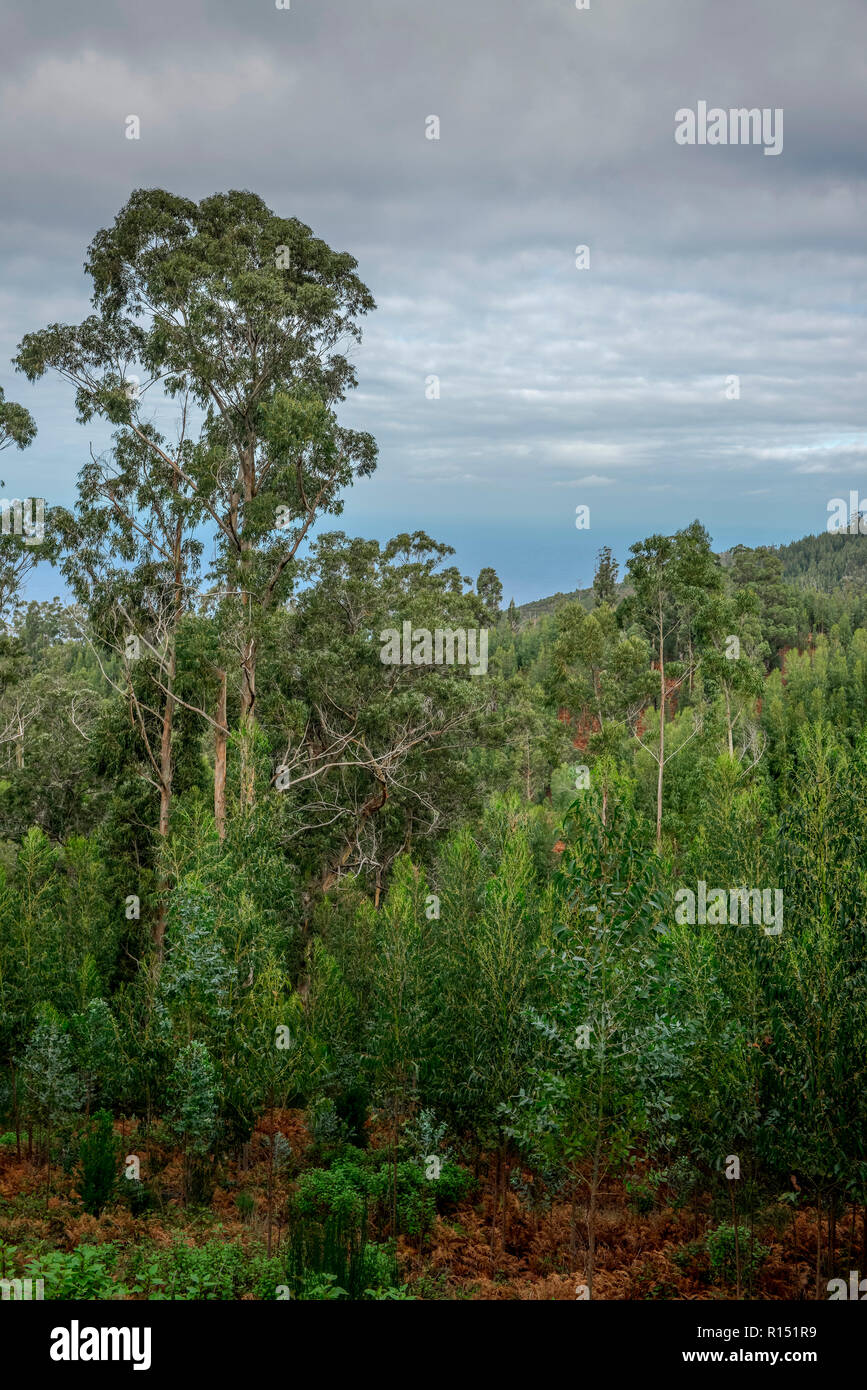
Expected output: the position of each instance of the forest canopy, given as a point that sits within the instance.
(372, 968)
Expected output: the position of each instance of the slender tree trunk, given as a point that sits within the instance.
(495, 1203)
(736, 1229)
(17, 1115)
(506, 1169)
(270, 1184)
(591, 1212)
(165, 796)
(661, 732)
(729, 723)
(220, 747)
(248, 651)
(832, 1237)
(248, 724)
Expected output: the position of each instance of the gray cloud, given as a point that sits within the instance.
(557, 129)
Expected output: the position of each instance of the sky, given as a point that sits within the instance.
(608, 386)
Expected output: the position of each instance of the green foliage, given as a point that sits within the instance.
(85, 1273)
(98, 1157)
(723, 1244)
(351, 1188)
(254, 866)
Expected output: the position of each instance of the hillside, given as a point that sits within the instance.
(825, 563)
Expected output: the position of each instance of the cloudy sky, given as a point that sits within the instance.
(559, 386)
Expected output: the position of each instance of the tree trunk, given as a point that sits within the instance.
(661, 732)
(506, 1169)
(165, 794)
(729, 723)
(736, 1229)
(832, 1237)
(591, 1213)
(270, 1185)
(248, 724)
(15, 1111)
(220, 747)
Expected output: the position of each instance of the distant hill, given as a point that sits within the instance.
(826, 562)
(541, 607)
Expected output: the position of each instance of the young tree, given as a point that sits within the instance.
(50, 1085)
(194, 1108)
(490, 592)
(600, 671)
(605, 578)
(732, 661)
(761, 570)
(582, 1108)
(672, 577)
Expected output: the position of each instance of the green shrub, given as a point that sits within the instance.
(98, 1158)
(246, 1204)
(352, 1185)
(138, 1196)
(215, 1270)
(86, 1273)
(722, 1251)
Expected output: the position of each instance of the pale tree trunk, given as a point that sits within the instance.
(220, 745)
(661, 732)
(729, 723)
(248, 723)
(165, 793)
(166, 772)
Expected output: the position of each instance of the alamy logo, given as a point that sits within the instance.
(857, 1290)
(738, 126)
(466, 646)
(851, 519)
(76, 1343)
(733, 906)
(21, 1290)
(16, 522)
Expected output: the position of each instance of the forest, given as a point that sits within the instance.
(325, 977)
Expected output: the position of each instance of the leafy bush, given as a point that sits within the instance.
(722, 1249)
(351, 1185)
(85, 1273)
(215, 1270)
(98, 1157)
